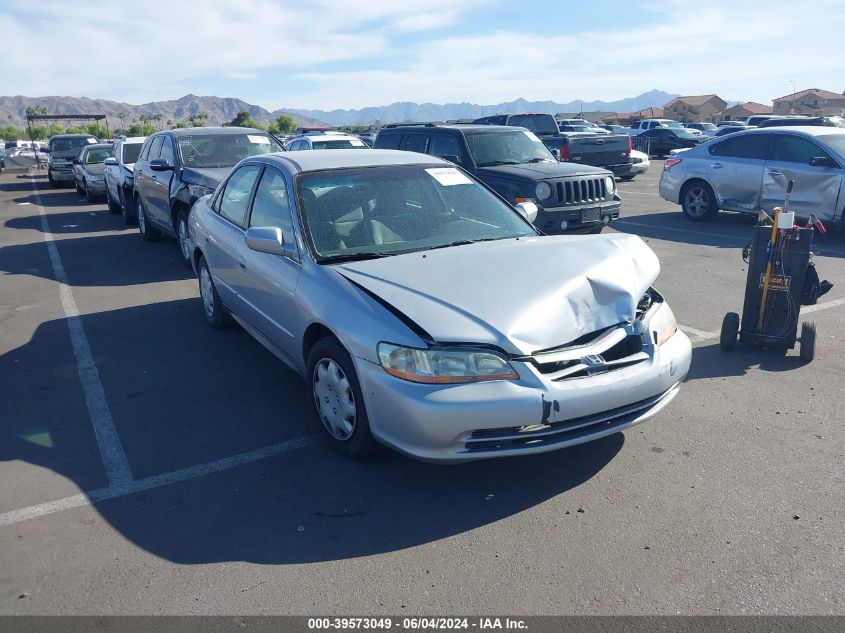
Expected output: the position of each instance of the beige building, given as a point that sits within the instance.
(695, 108)
(626, 118)
(813, 101)
(742, 111)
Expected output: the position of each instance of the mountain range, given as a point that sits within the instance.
(223, 109)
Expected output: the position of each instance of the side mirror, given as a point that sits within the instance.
(46, 150)
(266, 239)
(76, 161)
(528, 210)
(556, 153)
(160, 164)
(821, 161)
(111, 160)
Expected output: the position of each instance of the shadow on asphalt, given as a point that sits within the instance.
(727, 230)
(712, 362)
(89, 219)
(182, 394)
(25, 183)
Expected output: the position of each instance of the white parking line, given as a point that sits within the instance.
(111, 449)
(156, 481)
(701, 335)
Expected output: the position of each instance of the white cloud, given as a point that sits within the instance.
(156, 49)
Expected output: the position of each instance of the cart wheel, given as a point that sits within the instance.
(730, 329)
(808, 341)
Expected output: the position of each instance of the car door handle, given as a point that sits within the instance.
(716, 165)
(242, 262)
(774, 172)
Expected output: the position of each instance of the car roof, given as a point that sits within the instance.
(73, 136)
(205, 131)
(318, 159)
(330, 137)
(98, 146)
(132, 139)
(464, 127)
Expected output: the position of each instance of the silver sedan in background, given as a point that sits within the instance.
(427, 314)
(749, 170)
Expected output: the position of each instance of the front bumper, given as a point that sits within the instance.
(61, 174)
(455, 423)
(549, 218)
(97, 186)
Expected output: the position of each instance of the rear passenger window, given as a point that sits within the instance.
(271, 206)
(794, 149)
(388, 141)
(745, 146)
(235, 198)
(416, 143)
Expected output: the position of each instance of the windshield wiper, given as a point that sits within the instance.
(352, 257)
(465, 242)
(541, 160)
(499, 162)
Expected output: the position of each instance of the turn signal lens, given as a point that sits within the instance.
(671, 162)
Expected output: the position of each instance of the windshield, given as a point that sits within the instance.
(130, 152)
(379, 211)
(836, 142)
(673, 124)
(70, 144)
(684, 134)
(95, 156)
(507, 148)
(353, 143)
(540, 123)
(206, 151)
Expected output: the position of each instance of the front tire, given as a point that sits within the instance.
(90, 197)
(212, 307)
(698, 201)
(53, 183)
(148, 232)
(808, 341)
(114, 207)
(183, 237)
(337, 400)
(730, 330)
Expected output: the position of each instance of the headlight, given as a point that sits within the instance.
(95, 178)
(542, 191)
(663, 324)
(610, 183)
(444, 365)
(198, 191)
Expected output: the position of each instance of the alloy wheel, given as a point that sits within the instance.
(207, 292)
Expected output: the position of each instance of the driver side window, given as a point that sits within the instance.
(234, 200)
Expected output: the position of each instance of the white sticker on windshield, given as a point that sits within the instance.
(448, 176)
(255, 138)
(356, 143)
(531, 135)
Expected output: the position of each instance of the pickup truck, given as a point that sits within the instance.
(515, 164)
(610, 151)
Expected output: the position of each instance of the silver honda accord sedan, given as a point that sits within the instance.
(427, 314)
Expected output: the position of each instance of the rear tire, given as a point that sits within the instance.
(337, 400)
(808, 341)
(77, 187)
(698, 201)
(212, 308)
(182, 237)
(149, 233)
(730, 330)
(128, 218)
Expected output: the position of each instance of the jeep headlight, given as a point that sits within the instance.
(543, 190)
(610, 183)
(444, 365)
(663, 324)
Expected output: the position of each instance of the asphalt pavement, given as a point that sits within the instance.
(152, 465)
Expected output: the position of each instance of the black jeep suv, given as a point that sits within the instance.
(519, 167)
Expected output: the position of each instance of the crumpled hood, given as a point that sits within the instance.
(520, 295)
(95, 169)
(536, 171)
(206, 177)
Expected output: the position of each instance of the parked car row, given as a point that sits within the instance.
(377, 276)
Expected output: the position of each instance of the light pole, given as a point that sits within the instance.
(792, 107)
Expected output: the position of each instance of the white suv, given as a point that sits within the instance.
(330, 140)
(649, 124)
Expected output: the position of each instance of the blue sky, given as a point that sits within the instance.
(328, 54)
